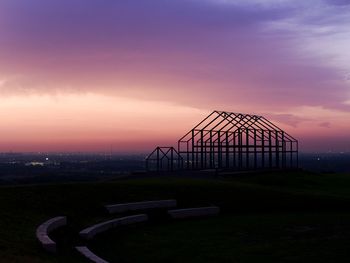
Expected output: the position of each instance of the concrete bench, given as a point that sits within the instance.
(194, 212)
(120, 208)
(90, 255)
(43, 231)
(90, 232)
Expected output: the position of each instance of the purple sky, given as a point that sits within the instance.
(288, 60)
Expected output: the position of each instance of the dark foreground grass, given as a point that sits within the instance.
(269, 198)
(254, 238)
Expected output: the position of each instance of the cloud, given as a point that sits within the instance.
(245, 54)
(321, 30)
(289, 119)
(325, 124)
(312, 119)
(338, 2)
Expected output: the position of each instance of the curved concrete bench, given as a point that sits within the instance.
(42, 232)
(120, 208)
(90, 255)
(90, 232)
(194, 212)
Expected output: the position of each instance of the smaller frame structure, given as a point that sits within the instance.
(227, 140)
(164, 159)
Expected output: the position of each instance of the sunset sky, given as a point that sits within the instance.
(85, 75)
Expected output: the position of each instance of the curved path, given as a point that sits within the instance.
(194, 212)
(86, 252)
(90, 232)
(120, 208)
(43, 231)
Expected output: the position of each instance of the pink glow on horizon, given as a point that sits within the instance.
(90, 122)
(94, 122)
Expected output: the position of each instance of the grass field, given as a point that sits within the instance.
(270, 217)
(233, 238)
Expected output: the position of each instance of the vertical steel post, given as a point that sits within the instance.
(234, 150)
(193, 159)
(202, 150)
(291, 154)
(270, 149)
(283, 151)
(188, 155)
(277, 151)
(262, 149)
(205, 155)
(158, 168)
(240, 149)
(171, 159)
(255, 153)
(212, 156)
(297, 154)
(247, 148)
(227, 151)
(219, 151)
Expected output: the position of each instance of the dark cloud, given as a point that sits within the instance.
(338, 2)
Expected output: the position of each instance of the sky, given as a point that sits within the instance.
(88, 75)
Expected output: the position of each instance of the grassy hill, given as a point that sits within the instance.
(268, 216)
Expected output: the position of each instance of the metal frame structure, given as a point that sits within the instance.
(164, 158)
(227, 140)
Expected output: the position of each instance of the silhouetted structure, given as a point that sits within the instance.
(227, 140)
